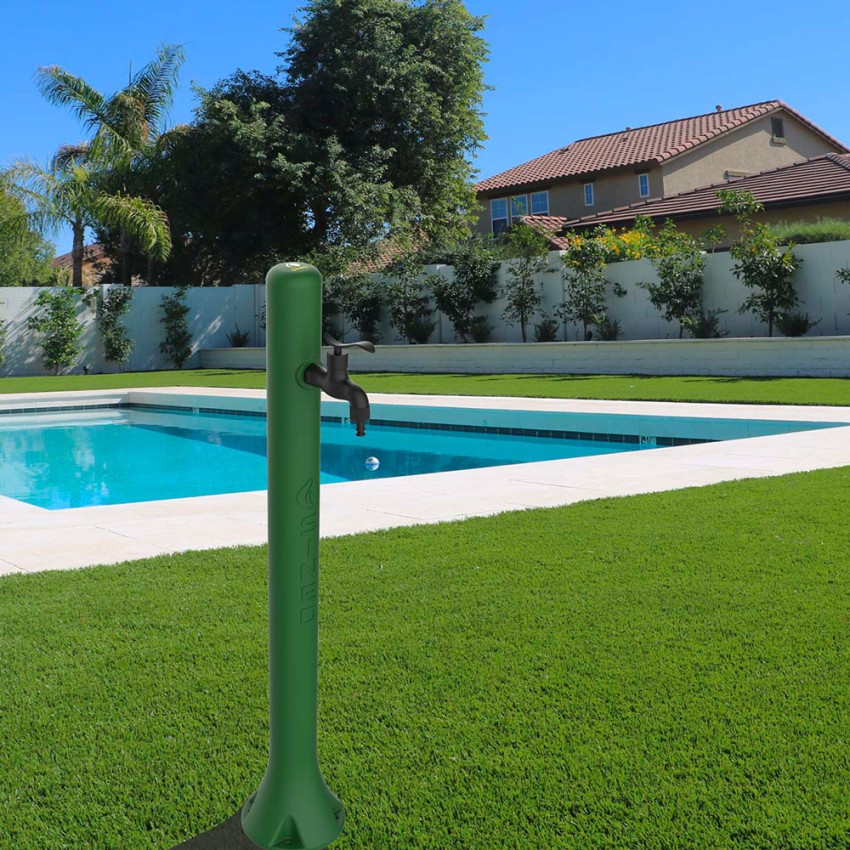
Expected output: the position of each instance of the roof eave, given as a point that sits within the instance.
(579, 177)
(834, 197)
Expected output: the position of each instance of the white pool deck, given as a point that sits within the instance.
(33, 539)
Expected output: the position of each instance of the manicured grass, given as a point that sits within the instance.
(828, 391)
(831, 391)
(246, 378)
(663, 671)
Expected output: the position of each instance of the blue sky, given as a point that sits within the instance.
(560, 70)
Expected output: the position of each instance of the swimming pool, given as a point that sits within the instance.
(133, 453)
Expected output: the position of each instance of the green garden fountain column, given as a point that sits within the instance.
(293, 807)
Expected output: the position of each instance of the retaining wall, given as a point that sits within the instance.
(824, 357)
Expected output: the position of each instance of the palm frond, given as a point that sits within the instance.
(69, 155)
(156, 82)
(141, 218)
(64, 89)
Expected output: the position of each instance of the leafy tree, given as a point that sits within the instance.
(767, 268)
(584, 278)
(739, 203)
(70, 191)
(474, 262)
(177, 345)
(528, 252)
(56, 318)
(111, 310)
(761, 263)
(128, 129)
(361, 299)
(843, 274)
(24, 255)
(408, 298)
(235, 202)
(384, 102)
(364, 133)
(679, 263)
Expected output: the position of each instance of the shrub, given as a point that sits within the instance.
(843, 274)
(795, 324)
(330, 311)
(111, 309)
(237, 338)
(2, 341)
(177, 345)
(361, 300)
(475, 266)
(546, 330)
(804, 232)
(408, 299)
(706, 325)
(56, 318)
(609, 329)
(480, 329)
(633, 243)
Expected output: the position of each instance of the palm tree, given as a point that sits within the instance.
(128, 127)
(70, 191)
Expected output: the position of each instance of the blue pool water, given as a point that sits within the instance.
(78, 459)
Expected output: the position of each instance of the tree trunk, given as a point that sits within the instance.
(77, 253)
(125, 257)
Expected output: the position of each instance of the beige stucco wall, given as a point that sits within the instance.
(750, 148)
(616, 189)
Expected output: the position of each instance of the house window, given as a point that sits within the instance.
(519, 207)
(540, 203)
(777, 129)
(588, 194)
(643, 185)
(499, 214)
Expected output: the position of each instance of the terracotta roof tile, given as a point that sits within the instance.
(91, 253)
(640, 146)
(818, 179)
(552, 225)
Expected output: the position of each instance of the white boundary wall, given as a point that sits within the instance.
(821, 293)
(215, 311)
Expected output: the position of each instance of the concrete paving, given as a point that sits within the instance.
(34, 539)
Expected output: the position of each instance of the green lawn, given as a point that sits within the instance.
(658, 672)
(830, 391)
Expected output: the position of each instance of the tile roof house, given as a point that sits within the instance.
(95, 262)
(816, 188)
(617, 169)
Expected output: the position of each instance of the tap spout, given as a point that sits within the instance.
(335, 382)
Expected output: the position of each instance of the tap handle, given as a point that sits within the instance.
(338, 346)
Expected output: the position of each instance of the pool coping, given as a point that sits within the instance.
(33, 539)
